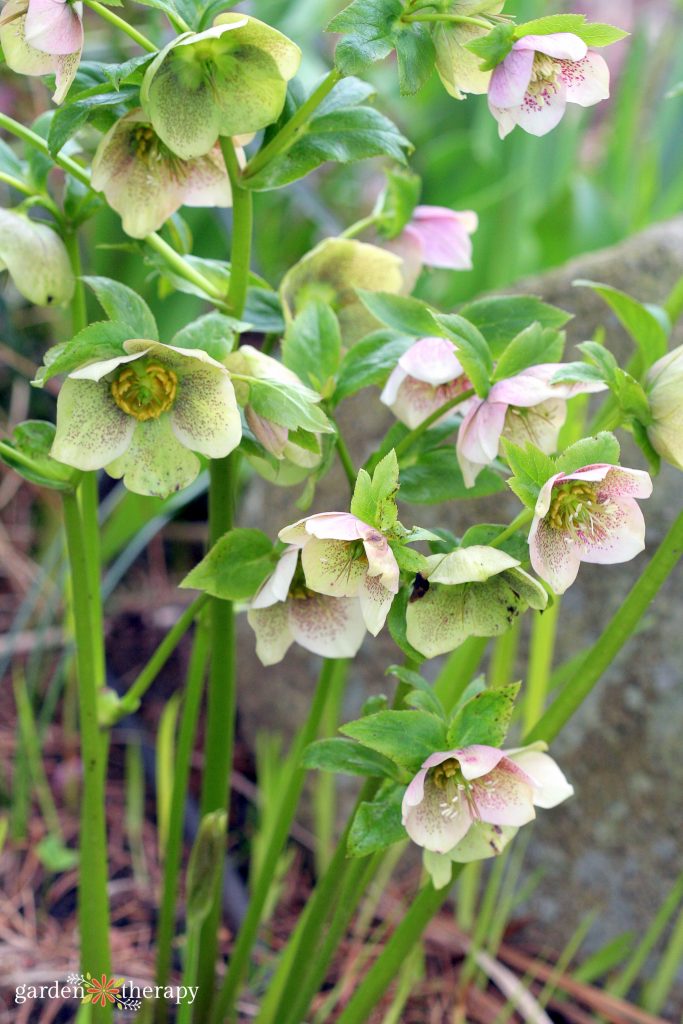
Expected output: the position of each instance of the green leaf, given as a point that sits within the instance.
(10, 163)
(503, 317)
(349, 758)
(399, 199)
(415, 55)
(422, 695)
(598, 34)
(472, 350)
(214, 333)
(235, 567)
(28, 453)
(369, 362)
(408, 560)
(396, 621)
(581, 372)
(485, 533)
(264, 311)
(604, 447)
(55, 856)
(595, 34)
(343, 129)
(129, 72)
(312, 347)
(531, 468)
(531, 346)
(123, 305)
(484, 719)
(288, 405)
(636, 319)
(73, 115)
(405, 737)
(362, 503)
(493, 47)
(436, 477)
(384, 488)
(98, 341)
(402, 312)
(376, 825)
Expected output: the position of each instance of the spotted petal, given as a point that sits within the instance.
(36, 258)
(587, 80)
(553, 557)
(504, 796)
(329, 568)
(375, 603)
(482, 841)
(328, 626)
(433, 826)
(205, 416)
(273, 635)
(156, 463)
(91, 429)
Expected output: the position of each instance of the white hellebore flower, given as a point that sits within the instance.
(665, 393)
(36, 259)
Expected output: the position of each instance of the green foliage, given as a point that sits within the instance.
(398, 201)
(343, 129)
(472, 350)
(533, 345)
(370, 361)
(28, 453)
(593, 35)
(604, 447)
(396, 622)
(374, 498)
(376, 825)
(436, 477)
(215, 333)
(639, 321)
(405, 737)
(530, 470)
(312, 347)
(504, 317)
(72, 116)
(101, 340)
(205, 867)
(348, 758)
(124, 305)
(289, 406)
(486, 533)
(235, 567)
(484, 718)
(421, 696)
(493, 47)
(402, 312)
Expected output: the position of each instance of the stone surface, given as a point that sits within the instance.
(614, 846)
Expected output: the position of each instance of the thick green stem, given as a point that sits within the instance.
(541, 650)
(524, 517)
(613, 638)
(183, 269)
(453, 19)
(359, 226)
(346, 460)
(242, 226)
(332, 672)
(174, 846)
(288, 132)
(459, 671)
(93, 902)
(121, 25)
(409, 440)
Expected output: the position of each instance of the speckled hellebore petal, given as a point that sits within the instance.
(329, 568)
(205, 416)
(91, 429)
(36, 259)
(273, 635)
(156, 463)
(482, 841)
(332, 627)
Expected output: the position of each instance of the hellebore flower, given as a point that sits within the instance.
(587, 516)
(427, 376)
(540, 76)
(475, 591)
(36, 259)
(457, 67)
(43, 37)
(275, 438)
(467, 803)
(442, 236)
(229, 80)
(143, 415)
(286, 611)
(145, 182)
(331, 272)
(344, 557)
(524, 408)
(664, 385)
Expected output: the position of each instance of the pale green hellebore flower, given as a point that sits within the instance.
(475, 591)
(143, 415)
(331, 272)
(36, 259)
(229, 80)
(456, 66)
(664, 384)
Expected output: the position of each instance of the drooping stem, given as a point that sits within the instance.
(613, 638)
(289, 130)
(359, 226)
(331, 673)
(122, 26)
(524, 517)
(409, 440)
(541, 649)
(93, 902)
(453, 19)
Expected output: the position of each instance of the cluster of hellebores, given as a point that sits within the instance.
(480, 396)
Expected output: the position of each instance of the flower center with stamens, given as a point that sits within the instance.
(544, 68)
(448, 778)
(144, 389)
(575, 509)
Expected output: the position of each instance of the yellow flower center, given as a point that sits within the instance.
(544, 68)
(144, 389)
(143, 138)
(575, 509)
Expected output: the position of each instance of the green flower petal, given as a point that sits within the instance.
(273, 634)
(205, 416)
(330, 569)
(156, 463)
(91, 429)
(37, 260)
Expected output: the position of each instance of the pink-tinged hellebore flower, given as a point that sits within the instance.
(145, 182)
(443, 236)
(286, 611)
(466, 804)
(524, 408)
(344, 557)
(664, 384)
(143, 415)
(36, 259)
(590, 515)
(427, 376)
(474, 591)
(43, 37)
(540, 76)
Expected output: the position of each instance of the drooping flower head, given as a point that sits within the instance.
(142, 416)
(36, 259)
(524, 408)
(590, 515)
(457, 67)
(436, 236)
(285, 611)
(146, 183)
(344, 557)
(469, 802)
(540, 76)
(43, 37)
(331, 272)
(474, 591)
(229, 80)
(427, 376)
(664, 385)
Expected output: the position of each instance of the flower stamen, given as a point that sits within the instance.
(144, 390)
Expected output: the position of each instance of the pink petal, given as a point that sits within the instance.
(477, 760)
(553, 556)
(504, 796)
(334, 526)
(533, 386)
(432, 360)
(479, 438)
(587, 80)
(416, 788)
(543, 108)
(546, 495)
(276, 587)
(205, 181)
(552, 787)
(54, 26)
(510, 79)
(618, 534)
(620, 482)
(415, 400)
(444, 236)
(506, 118)
(562, 45)
(329, 626)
